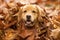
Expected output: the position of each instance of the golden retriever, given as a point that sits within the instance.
(30, 18)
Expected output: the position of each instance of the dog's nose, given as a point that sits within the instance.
(28, 17)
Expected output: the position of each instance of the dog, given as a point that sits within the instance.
(30, 18)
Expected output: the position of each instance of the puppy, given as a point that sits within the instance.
(30, 17)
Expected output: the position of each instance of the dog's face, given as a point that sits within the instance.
(30, 14)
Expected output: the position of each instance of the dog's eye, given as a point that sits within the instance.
(25, 11)
(34, 11)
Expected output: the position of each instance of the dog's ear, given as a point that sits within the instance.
(19, 14)
(41, 14)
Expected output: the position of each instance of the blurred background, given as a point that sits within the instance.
(42, 3)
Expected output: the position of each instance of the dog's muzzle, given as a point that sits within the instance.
(28, 21)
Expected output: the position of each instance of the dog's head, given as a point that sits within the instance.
(31, 14)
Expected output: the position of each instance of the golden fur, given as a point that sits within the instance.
(37, 16)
